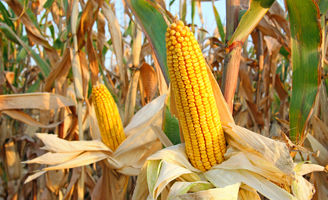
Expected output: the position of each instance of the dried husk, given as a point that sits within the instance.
(127, 159)
(253, 165)
(263, 164)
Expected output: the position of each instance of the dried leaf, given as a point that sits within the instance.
(226, 193)
(45, 101)
(116, 36)
(130, 100)
(128, 158)
(32, 31)
(302, 189)
(55, 180)
(149, 81)
(110, 186)
(262, 185)
(10, 76)
(11, 160)
(59, 72)
(180, 188)
(27, 119)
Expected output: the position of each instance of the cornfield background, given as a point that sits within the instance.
(272, 70)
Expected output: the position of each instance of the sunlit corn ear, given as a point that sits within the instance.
(197, 111)
(109, 120)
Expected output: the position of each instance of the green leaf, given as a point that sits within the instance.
(218, 23)
(193, 10)
(58, 44)
(171, 127)
(305, 41)
(128, 31)
(323, 5)
(33, 18)
(34, 87)
(45, 68)
(48, 4)
(171, 2)
(6, 16)
(21, 55)
(283, 51)
(8, 34)
(184, 11)
(154, 27)
(250, 19)
(52, 31)
(241, 14)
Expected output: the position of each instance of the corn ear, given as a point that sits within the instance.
(109, 120)
(197, 111)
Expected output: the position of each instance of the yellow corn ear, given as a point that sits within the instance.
(197, 111)
(109, 120)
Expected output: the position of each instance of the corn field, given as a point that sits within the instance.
(144, 99)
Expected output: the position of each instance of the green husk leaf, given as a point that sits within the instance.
(153, 169)
(171, 127)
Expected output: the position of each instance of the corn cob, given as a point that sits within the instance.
(109, 120)
(197, 112)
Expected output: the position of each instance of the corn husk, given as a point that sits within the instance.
(253, 164)
(127, 159)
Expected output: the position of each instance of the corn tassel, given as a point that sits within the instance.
(109, 120)
(197, 112)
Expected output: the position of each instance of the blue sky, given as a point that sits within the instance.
(207, 11)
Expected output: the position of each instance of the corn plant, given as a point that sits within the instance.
(135, 100)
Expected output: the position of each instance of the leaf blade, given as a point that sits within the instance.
(305, 33)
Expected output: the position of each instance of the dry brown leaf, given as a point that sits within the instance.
(130, 100)
(254, 160)
(246, 88)
(85, 73)
(59, 73)
(321, 185)
(76, 174)
(44, 101)
(10, 77)
(323, 99)
(32, 31)
(320, 130)
(127, 159)
(101, 38)
(256, 114)
(274, 151)
(149, 81)
(226, 193)
(27, 119)
(280, 88)
(140, 191)
(56, 13)
(11, 160)
(77, 73)
(110, 185)
(136, 47)
(55, 180)
(162, 84)
(93, 62)
(116, 35)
